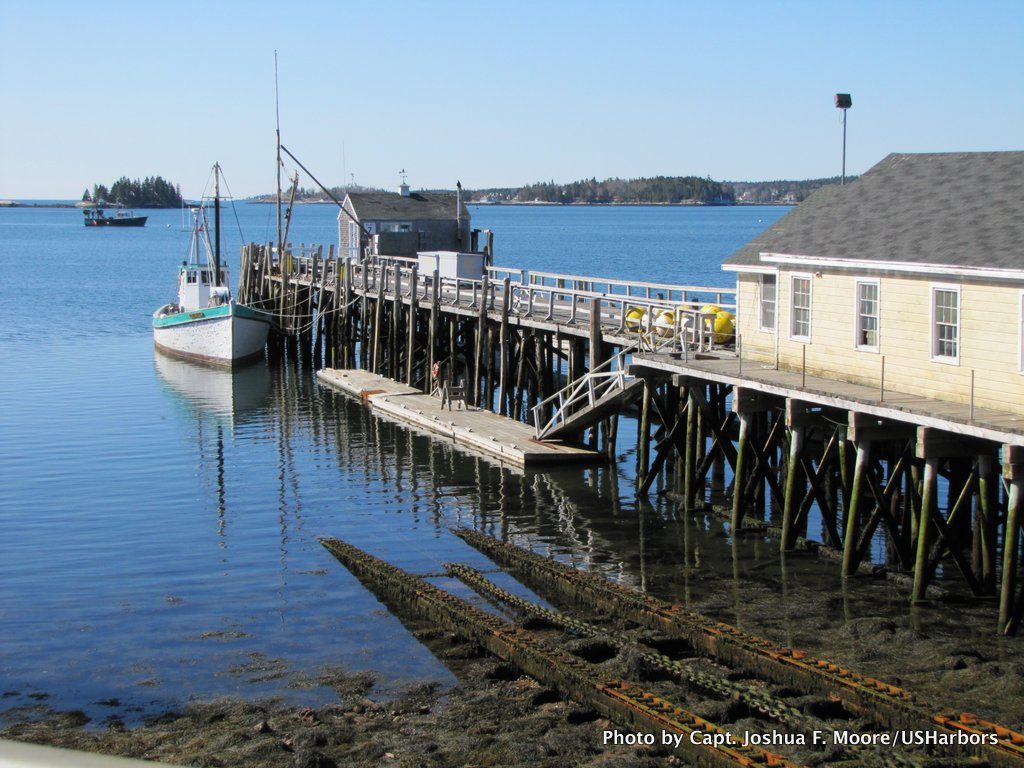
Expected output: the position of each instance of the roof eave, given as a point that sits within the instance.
(877, 265)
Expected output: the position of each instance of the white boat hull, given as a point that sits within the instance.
(227, 335)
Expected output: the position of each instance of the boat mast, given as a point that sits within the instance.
(216, 224)
(277, 113)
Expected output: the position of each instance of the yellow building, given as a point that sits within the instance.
(910, 278)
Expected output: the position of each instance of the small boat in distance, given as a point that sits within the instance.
(205, 323)
(97, 217)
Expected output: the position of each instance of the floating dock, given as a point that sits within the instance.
(510, 441)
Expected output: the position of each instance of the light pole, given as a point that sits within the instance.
(844, 102)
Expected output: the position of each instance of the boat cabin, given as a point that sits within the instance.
(196, 289)
(910, 279)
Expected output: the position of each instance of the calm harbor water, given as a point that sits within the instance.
(160, 521)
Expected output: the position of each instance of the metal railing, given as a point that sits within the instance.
(607, 378)
(671, 321)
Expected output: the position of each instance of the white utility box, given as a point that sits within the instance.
(451, 264)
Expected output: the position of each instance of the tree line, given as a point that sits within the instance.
(657, 189)
(151, 192)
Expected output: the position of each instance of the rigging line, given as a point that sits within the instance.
(234, 210)
(326, 191)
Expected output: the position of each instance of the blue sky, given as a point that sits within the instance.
(495, 93)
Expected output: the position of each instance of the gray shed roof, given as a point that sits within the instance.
(389, 206)
(963, 209)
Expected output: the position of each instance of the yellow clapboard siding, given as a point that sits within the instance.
(990, 336)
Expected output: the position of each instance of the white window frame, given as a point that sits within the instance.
(775, 304)
(792, 305)
(857, 315)
(933, 338)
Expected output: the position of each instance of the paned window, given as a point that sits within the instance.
(867, 315)
(946, 324)
(768, 292)
(800, 321)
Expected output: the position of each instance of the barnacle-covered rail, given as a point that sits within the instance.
(887, 705)
(761, 701)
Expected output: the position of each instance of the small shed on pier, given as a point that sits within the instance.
(914, 272)
(402, 224)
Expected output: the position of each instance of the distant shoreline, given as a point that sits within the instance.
(518, 204)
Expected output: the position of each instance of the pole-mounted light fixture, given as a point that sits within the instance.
(844, 102)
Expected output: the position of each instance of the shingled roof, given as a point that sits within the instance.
(417, 206)
(962, 209)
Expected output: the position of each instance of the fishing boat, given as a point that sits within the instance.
(97, 217)
(206, 323)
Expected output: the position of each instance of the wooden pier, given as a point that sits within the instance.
(565, 355)
(509, 441)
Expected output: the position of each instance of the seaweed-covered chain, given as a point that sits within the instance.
(622, 702)
(756, 699)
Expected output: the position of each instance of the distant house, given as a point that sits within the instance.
(402, 224)
(919, 262)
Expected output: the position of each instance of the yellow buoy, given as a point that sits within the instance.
(635, 318)
(710, 309)
(725, 326)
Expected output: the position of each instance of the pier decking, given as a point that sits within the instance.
(510, 441)
(958, 418)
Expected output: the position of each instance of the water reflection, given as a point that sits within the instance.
(214, 394)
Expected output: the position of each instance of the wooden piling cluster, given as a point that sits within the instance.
(770, 459)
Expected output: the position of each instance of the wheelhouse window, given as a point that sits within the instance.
(800, 317)
(867, 315)
(768, 300)
(946, 324)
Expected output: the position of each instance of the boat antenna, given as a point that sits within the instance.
(277, 113)
(216, 224)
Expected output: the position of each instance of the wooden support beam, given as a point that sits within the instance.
(410, 342)
(798, 413)
(742, 449)
(664, 451)
(987, 521)
(1013, 475)
(762, 470)
(789, 503)
(432, 329)
(481, 335)
(853, 504)
(595, 334)
(643, 441)
(936, 444)
(503, 346)
(745, 400)
(689, 476)
(816, 491)
(929, 500)
(864, 427)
